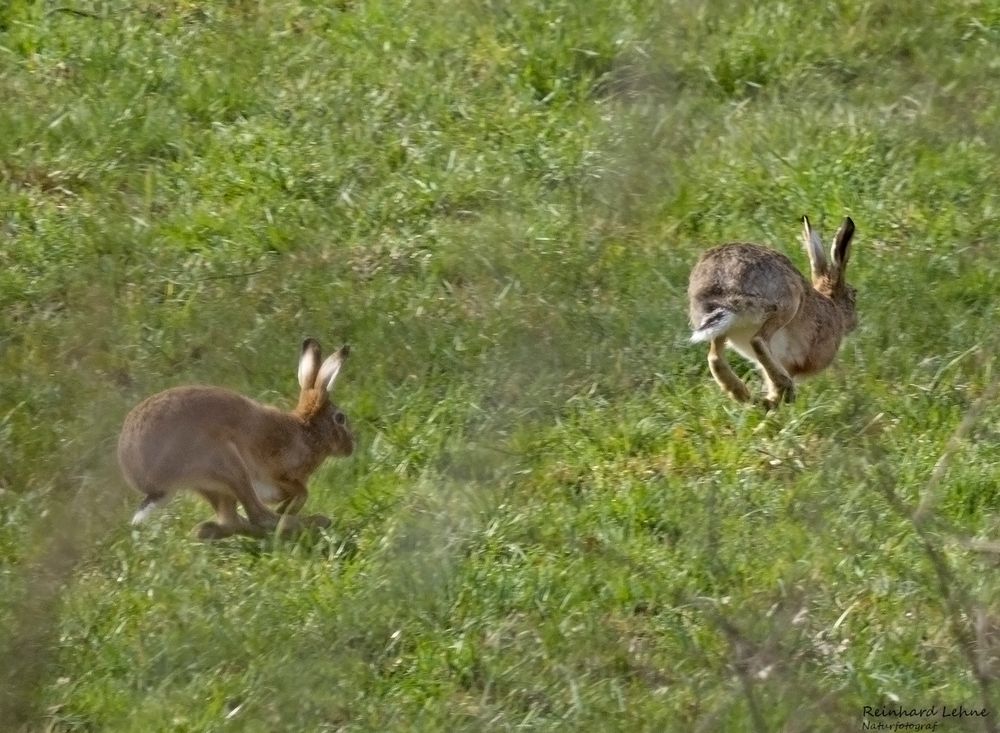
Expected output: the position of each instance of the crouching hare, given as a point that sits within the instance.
(754, 299)
(233, 450)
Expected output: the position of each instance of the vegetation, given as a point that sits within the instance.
(555, 519)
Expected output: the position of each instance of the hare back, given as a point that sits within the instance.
(743, 277)
(185, 434)
(196, 410)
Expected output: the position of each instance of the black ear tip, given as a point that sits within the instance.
(345, 350)
(309, 343)
(805, 220)
(848, 223)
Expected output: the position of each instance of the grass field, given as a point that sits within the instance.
(554, 520)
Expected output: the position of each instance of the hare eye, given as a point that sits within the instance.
(339, 418)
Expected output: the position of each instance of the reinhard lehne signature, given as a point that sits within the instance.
(900, 717)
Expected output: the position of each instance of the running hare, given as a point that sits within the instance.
(231, 449)
(753, 298)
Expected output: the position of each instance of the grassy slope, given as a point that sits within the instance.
(555, 518)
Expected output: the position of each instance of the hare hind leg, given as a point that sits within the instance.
(230, 471)
(780, 387)
(723, 373)
(226, 517)
(228, 520)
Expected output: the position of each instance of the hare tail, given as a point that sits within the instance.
(148, 506)
(713, 325)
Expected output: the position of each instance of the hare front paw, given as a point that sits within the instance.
(210, 531)
(289, 524)
(317, 520)
(775, 398)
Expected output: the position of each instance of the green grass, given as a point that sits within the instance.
(554, 520)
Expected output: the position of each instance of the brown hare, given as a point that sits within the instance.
(233, 450)
(754, 299)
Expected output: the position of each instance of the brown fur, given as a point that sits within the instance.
(754, 299)
(233, 450)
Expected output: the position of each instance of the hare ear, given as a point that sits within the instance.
(814, 248)
(841, 249)
(309, 363)
(331, 368)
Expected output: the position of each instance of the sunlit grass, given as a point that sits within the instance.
(554, 518)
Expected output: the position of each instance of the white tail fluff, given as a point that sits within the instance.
(148, 506)
(713, 325)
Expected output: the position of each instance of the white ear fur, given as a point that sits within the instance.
(308, 363)
(331, 368)
(814, 248)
